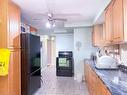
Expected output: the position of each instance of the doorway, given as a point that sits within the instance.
(51, 51)
(48, 51)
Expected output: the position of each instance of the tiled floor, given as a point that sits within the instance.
(53, 85)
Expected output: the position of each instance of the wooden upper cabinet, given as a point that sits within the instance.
(115, 25)
(14, 25)
(98, 37)
(103, 36)
(9, 24)
(108, 24)
(116, 22)
(125, 19)
(9, 38)
(3, 23)
(118, 19)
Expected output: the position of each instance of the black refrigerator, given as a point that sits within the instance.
(30, 63)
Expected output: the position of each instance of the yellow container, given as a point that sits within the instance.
(4, 61)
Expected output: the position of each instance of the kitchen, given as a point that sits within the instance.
(110, 36)
(96, 37)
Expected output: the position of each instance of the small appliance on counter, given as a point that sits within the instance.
(93, 57)
(64, 64)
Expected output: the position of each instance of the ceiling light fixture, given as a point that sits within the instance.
(48, 25)
(49, 15)
(53, 25)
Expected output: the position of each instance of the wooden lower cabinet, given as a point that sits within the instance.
(94, 83)
(14, 76)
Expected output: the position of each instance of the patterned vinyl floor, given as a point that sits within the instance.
(53, 85)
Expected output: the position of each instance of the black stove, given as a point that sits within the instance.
(65, 64)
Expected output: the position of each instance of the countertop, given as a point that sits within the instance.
(114, 80)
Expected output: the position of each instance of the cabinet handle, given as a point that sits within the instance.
(116, 37)
(14, 47)
(111, 40)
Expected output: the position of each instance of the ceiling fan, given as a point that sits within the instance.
(51, 20)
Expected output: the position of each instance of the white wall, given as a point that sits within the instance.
(44, 61)
(64, 42)
(67, 42)
(83, 35)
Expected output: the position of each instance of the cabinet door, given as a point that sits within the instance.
(85, 73)
(3, 23)
(103, 34)
(14, 46)
(118, 21)
(108, 24)
(87, 76)
(125, 19)
(98, 87)
(14, 25)
(94, 83)
(97, 35)
(15, 72)
(102, 89)
(91, 90)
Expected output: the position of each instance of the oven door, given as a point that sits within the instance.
(64, 63)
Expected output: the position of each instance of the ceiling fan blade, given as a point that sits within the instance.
(60, 19)
(66, 14)
(36, 19)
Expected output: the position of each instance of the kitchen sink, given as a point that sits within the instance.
(121, 83)
(122, 80)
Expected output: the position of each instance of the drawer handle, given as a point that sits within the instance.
(116, 38)
(14, 47)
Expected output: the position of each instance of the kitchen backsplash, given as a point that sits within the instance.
(123, 53)
(118, 52)
(113, 51)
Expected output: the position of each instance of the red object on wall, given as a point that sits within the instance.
(32, 29)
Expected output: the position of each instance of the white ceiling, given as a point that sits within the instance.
(75, 11)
